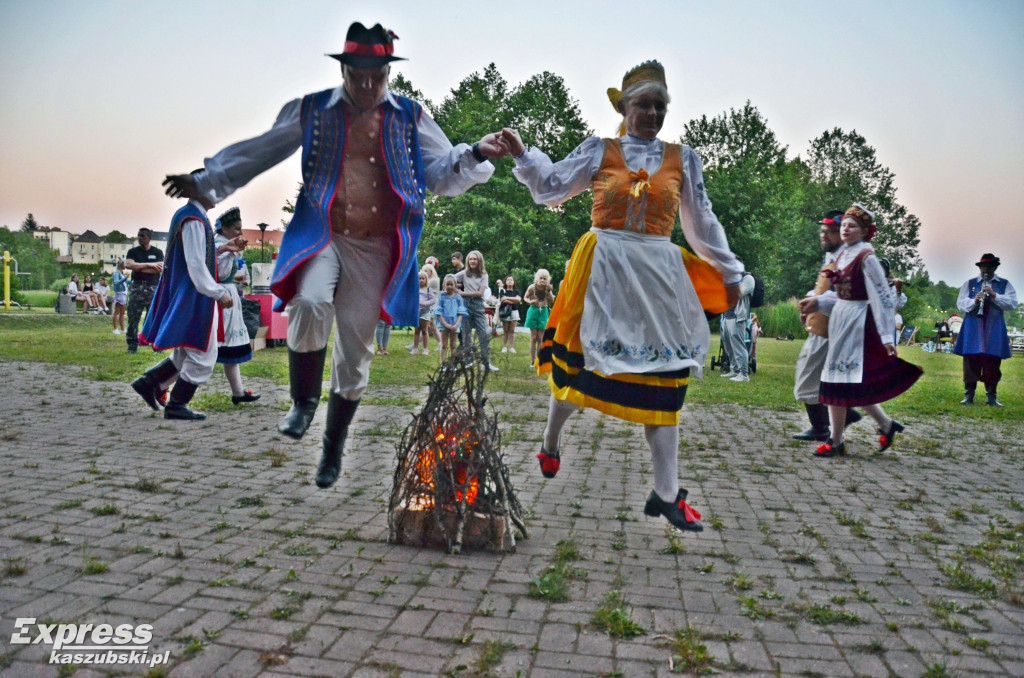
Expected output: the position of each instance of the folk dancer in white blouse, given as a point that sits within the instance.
(628, 325)
(349, 253)
(862, 367)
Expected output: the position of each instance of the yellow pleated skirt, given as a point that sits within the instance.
(651, 398)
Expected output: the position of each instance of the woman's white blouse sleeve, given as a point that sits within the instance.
(701, 227)
(880, 299)
(553, 183)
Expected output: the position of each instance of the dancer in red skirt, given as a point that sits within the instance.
(861, 368)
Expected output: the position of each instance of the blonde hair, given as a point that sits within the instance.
(449, 277)
(541, 272)
(428, 268)
(482, 270)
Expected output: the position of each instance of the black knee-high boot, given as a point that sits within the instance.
(305, 375)
(178, 400)
(148, 385)
(339, 416)
(819, 430)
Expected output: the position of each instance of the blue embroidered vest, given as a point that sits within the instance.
(179, 314)
(984, 334)
(323, 150)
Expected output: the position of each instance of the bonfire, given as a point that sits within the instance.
(451, 486)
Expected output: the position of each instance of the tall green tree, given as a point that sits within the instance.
(34, 257)
(29, 224)
(759, 196)
(116, 236)
(845, 170)
(499, 218)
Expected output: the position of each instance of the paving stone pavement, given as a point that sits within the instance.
(903, 564)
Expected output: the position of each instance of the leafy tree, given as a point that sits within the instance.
(116, 236)
(846, 170)
(30, 224)
(401, 85)
(34, 257)
(759, 197)
(500, 218)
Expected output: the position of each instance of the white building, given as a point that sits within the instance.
(59, 241)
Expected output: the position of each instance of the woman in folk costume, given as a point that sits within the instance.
(235, 348)
(628, 325)
(861, 367)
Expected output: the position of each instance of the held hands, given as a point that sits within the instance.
(732, 294)
(808, 305)
(891, 350)
(491, 146)
(237, 244)
(512, 142)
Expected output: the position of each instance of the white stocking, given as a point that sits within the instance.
(878, 414)
(664, 443)
(558, 413)
(234, 374)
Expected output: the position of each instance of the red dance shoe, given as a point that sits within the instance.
(549, 462)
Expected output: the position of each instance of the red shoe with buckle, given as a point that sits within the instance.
(831, 449)
(679, 513)
(885, 440)
(549, 462)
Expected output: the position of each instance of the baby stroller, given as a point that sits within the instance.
(749, 340)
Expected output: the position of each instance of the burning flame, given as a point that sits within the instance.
(426, 464)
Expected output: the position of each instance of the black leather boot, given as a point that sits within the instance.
(819, 430)
(990, 397)
(305, 376)
(148, 385)
(852, 416)
(968, 396)
(339, 416)
(178, 400)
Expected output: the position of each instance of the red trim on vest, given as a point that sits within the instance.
(368, 50)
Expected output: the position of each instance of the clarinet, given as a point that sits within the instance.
(981, 304)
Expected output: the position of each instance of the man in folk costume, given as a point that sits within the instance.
(184, 314)
(983, 341)
(349, 253)
(815, 309)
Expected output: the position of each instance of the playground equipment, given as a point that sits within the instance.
(7, 280)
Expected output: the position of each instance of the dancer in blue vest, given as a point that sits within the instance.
(183, 315)
(349, 253)
(983, 341)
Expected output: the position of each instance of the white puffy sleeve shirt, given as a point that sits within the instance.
(449, 170)
(552, 183)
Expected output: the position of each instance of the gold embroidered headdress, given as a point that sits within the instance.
(648, 70)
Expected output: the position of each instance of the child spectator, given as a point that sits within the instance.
(450, 309)
(120, 286)
(508, 312)
(428, 299)
(539, 297)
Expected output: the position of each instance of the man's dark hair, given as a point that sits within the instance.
(146, 231)
(456, 255)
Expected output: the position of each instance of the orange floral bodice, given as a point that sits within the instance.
(634, 201)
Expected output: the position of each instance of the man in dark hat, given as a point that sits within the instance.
(349, 253)
(983, 341)
(815, 309)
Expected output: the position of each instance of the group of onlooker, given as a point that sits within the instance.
(93, 295)
(452, 308)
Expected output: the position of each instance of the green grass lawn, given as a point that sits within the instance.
(87, 341)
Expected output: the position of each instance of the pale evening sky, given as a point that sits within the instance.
(99, 100)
